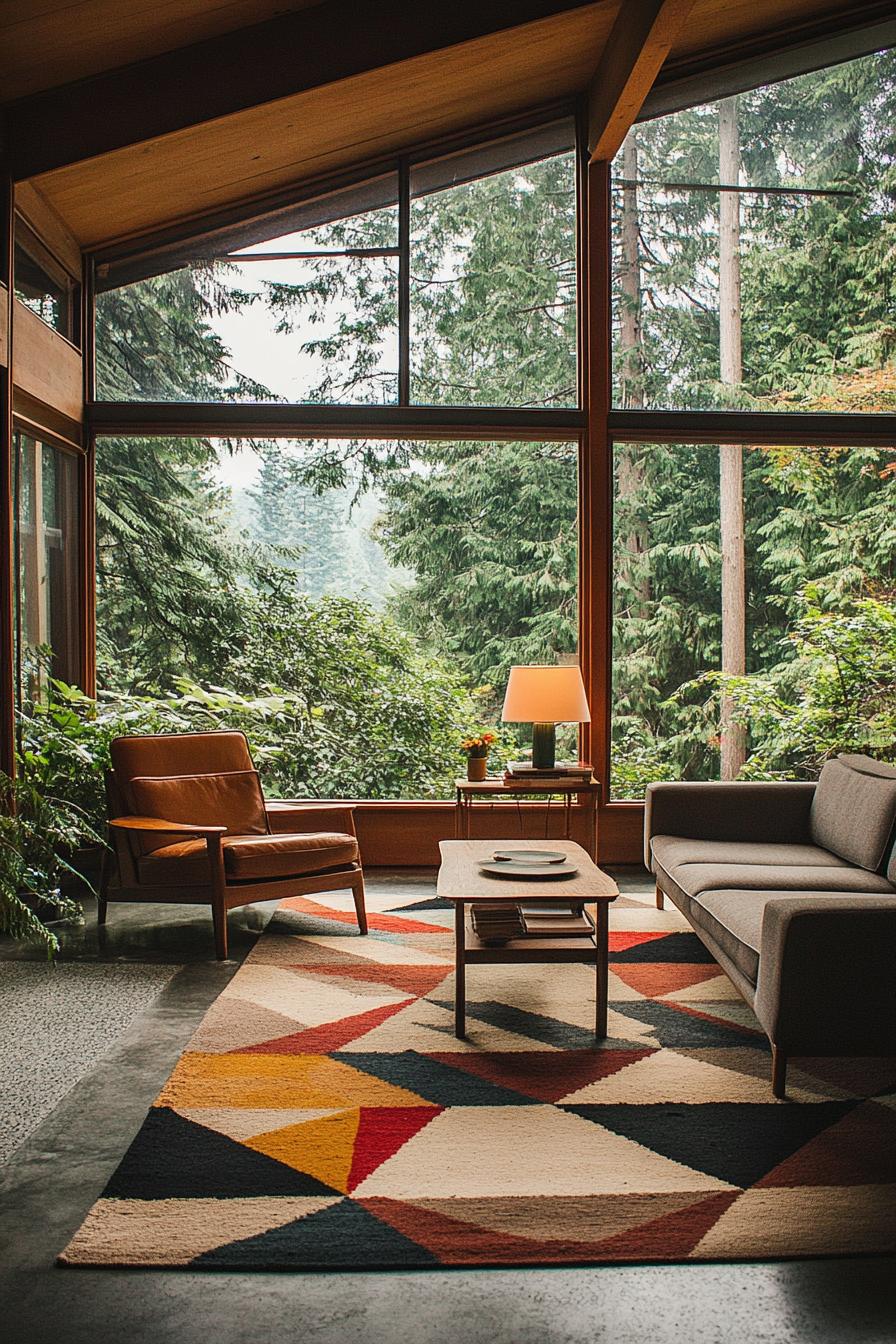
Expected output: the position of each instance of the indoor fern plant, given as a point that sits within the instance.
(38, 834)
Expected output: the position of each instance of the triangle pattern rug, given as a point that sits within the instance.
(325, 1116)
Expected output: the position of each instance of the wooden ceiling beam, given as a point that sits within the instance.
(639, 42)
(329, 42)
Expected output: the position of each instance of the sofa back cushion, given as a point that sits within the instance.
(854, 810)
(231, 798)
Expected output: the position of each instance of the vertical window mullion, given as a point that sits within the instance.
(404, 283)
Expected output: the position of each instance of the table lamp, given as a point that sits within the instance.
(544, 696)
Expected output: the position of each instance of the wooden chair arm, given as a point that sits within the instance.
(150, 824)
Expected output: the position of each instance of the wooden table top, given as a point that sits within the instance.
(498, 784)
(461, 880)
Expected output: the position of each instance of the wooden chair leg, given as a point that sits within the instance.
(101, 902)
(779, 1073)
(358, 895)
(219, 905)
(659, 897)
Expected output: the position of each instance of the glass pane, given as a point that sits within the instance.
(493, 289)
(41, 292)
(817, 572)
(750, 239)
(261, 326)
(354, 605)
(47, 564)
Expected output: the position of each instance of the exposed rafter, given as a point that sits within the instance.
(322, 45)
(639, 43)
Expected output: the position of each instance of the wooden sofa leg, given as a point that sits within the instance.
(779, 1073)
(358, 895)
(659, 897)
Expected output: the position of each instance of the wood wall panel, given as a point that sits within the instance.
(45, 366)
(401, 835)
(49, 227)
(81, 38)
(326, 129)
(4, 326)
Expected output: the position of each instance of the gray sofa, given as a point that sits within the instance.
(792, 888)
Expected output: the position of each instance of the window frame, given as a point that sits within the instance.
(594, 423)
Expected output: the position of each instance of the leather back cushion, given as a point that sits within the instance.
(854, 810)
(231, 798)
(160, 754)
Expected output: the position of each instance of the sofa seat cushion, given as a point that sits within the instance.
(250, 858)
(854, 809)
(258, 857)
(695, 878)
(733, 919)
(671, 850)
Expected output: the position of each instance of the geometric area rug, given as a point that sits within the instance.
(324, 1116)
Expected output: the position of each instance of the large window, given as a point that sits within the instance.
(354, 605)
(751, 244)
(46, 544)
(795, 644)
(43, 285)
(456, 286)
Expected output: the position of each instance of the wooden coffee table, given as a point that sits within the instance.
(460, 881)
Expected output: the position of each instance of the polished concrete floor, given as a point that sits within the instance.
(54, 1176)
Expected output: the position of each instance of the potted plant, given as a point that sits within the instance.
(476, 749)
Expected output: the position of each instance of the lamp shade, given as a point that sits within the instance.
(545, 694)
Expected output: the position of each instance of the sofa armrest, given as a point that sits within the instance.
(826, 980)
(774, 812)
(290, 816)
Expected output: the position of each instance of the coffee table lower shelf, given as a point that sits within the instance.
(470, 950)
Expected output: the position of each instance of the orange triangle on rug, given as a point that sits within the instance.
(416, 980)
(329, 1036)
(652, 978)
(381, 923)
(622, 941)
(671, 1237)
(382, 1131)
(545, 1075)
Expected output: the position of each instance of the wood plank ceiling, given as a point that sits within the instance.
(211, 161)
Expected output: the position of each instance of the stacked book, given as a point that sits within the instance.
(497, 922)
(552, 920)
(521, 772)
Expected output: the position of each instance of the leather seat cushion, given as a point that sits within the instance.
(263, 856)
(251, 858)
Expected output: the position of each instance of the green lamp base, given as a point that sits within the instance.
(544, 746)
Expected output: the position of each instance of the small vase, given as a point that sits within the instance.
(476, 767)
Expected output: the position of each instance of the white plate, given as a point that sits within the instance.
(530, 856)
(539, 872)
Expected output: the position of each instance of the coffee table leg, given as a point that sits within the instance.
(602, 939)
(460, 969)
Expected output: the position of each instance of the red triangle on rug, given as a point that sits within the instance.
(381, 923)
(328, 1036)
(382, 1131)
(621, 941)
(671, 1237)
(416, 980)
(545, 1075)
(858, 1150)
(653, 978)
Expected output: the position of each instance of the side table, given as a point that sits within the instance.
(468, 790)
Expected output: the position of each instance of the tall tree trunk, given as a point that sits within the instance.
(731, 458)
(630, 471)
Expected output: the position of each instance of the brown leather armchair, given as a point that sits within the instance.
(189, 824)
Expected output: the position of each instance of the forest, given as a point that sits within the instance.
(356, 605)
